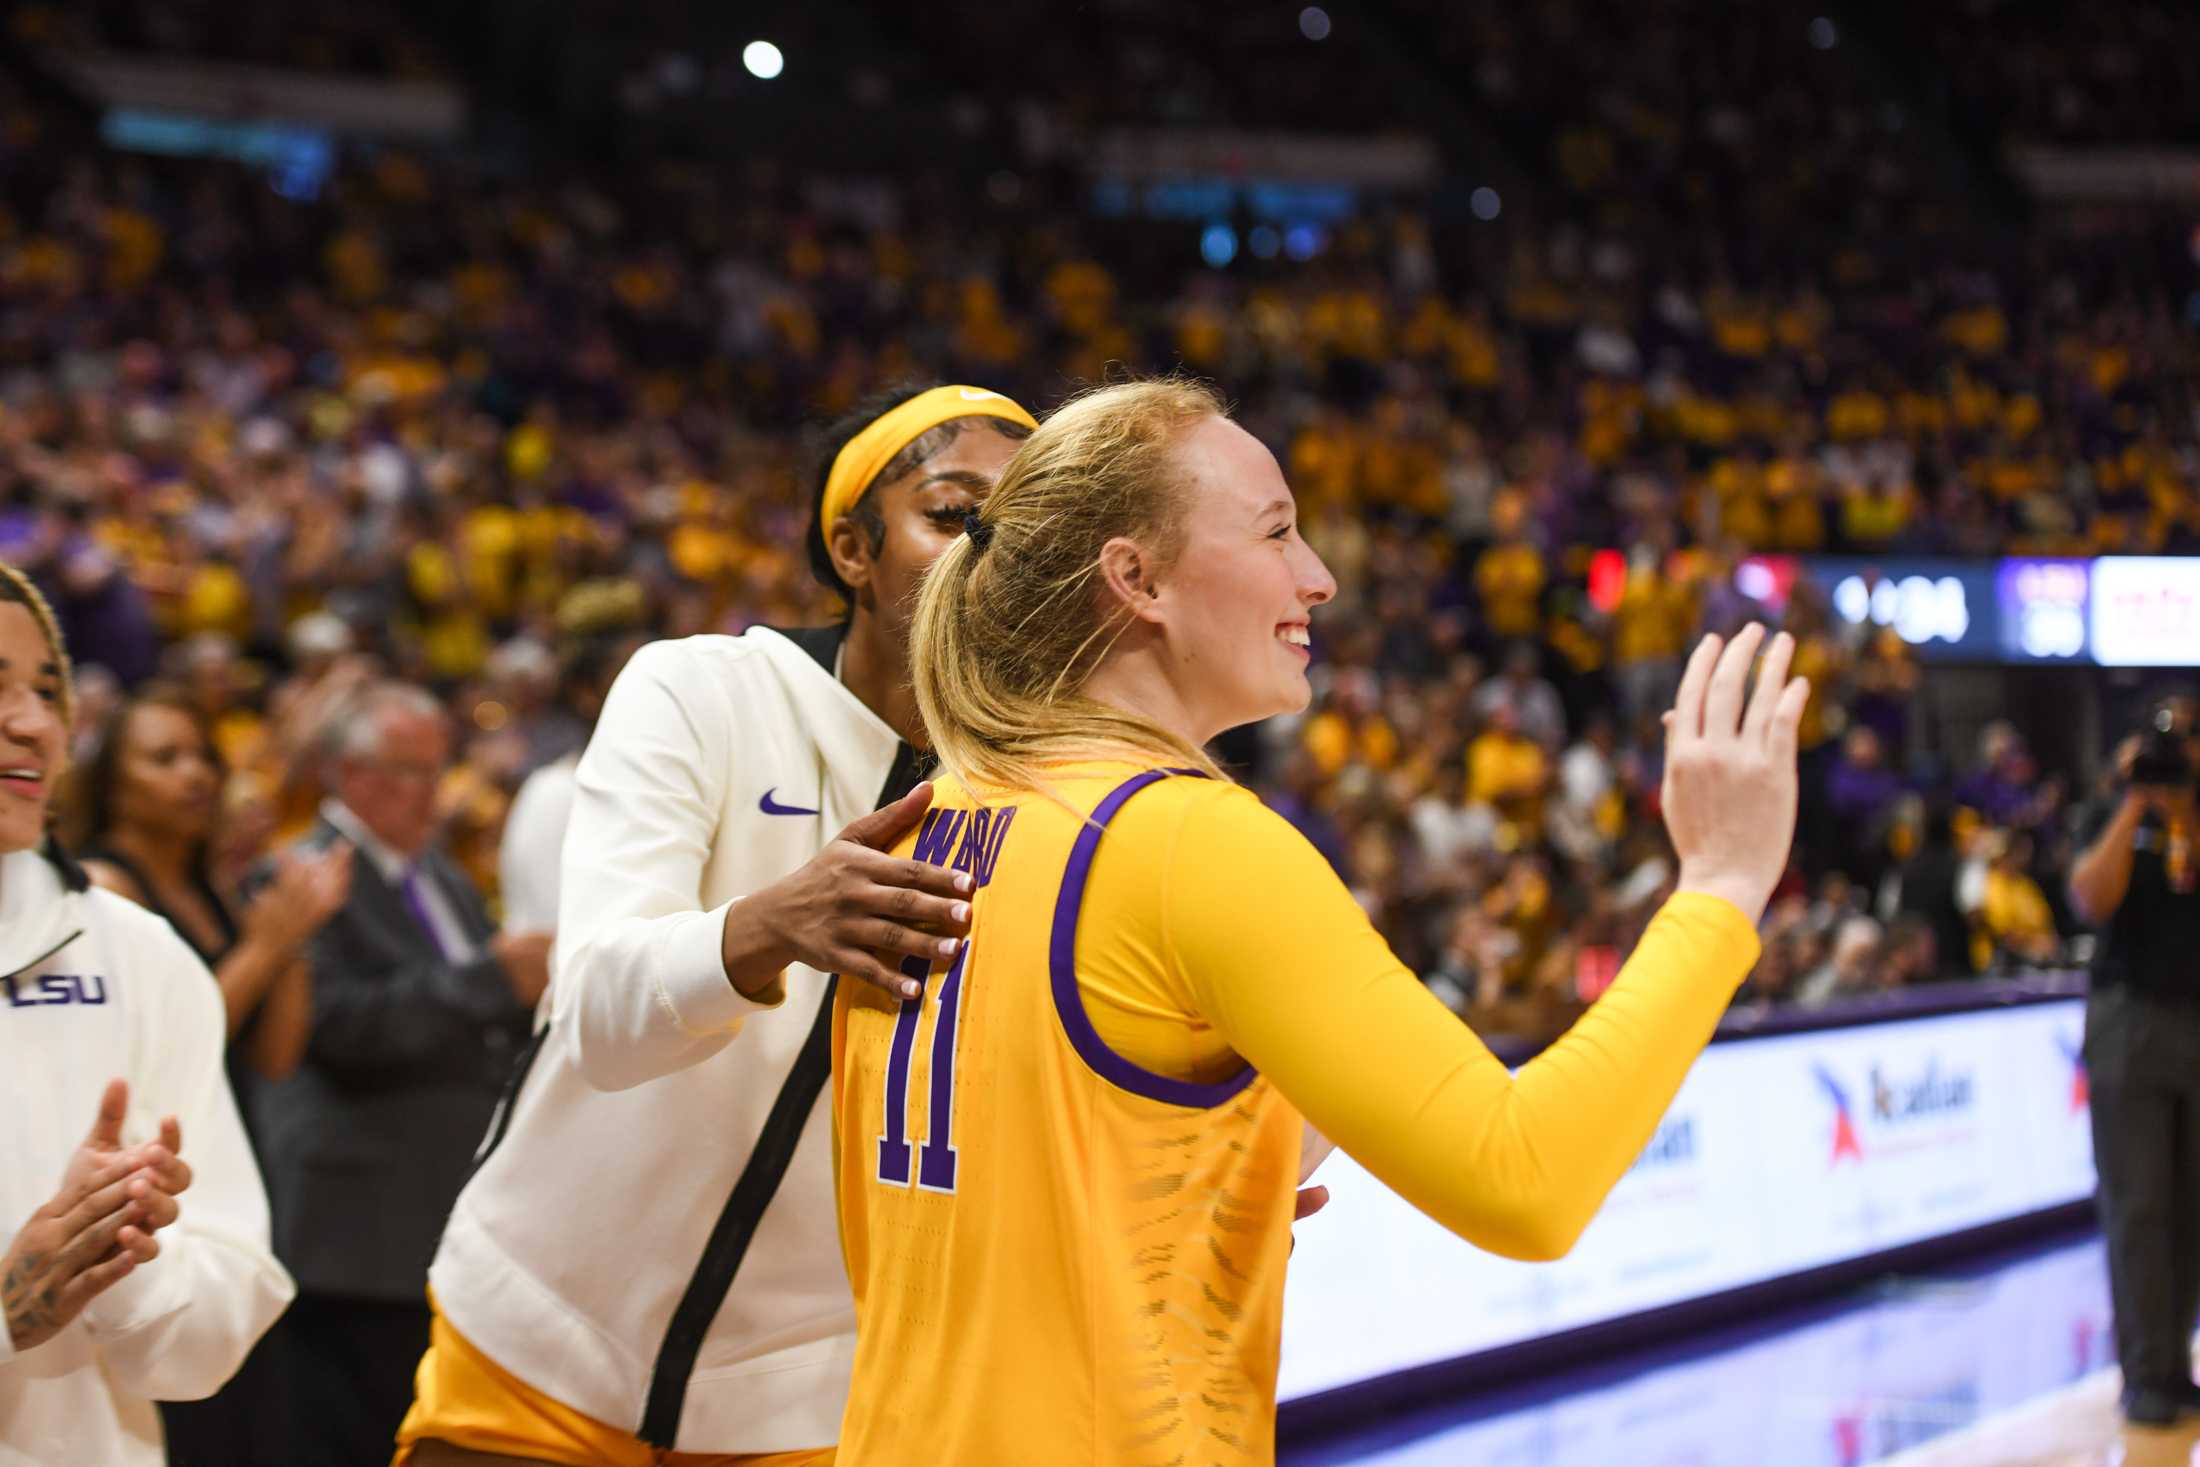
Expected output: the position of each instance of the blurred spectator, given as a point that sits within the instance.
(1590, 812)
(2016, 925)
(1850, 967)
(1350, 728)
(1884, 682)
(1535, 706)
(1926, 885)
(1650, 626)
(418, 1008)
(1508, 773)
(1911, 954)
(98, 695)
(1470, 974)
(316, 641)
(143, 811)
(1510, 577)
(1836, 899)
(2004, 787)
(1861, 792)
(145, 814)
(1301, 799)
(101, 608)
(1819, 657)
(1793, 948)
(1446, 828)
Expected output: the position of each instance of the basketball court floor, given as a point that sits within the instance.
(2007, 1363)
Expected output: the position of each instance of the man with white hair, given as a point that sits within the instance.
(419, 1009)
(317, 639)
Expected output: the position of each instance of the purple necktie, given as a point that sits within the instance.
(417, 903)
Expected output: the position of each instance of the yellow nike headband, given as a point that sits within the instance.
(856, 465)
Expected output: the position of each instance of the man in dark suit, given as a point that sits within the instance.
(419, 1011)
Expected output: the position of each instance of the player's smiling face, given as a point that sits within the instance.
(32, 740)
(1238, 602)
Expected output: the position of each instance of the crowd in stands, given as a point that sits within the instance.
(450, 425)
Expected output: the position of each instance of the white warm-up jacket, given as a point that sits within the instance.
(719, 766)
(94, 988)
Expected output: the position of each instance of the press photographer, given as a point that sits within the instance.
(2137, 882)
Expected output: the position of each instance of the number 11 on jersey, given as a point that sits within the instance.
(936, 1156)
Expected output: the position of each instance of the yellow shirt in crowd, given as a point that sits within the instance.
(1510, 577)
(1504, 768)
(2015, 911)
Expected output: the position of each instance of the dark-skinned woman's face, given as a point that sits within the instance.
(923, 513)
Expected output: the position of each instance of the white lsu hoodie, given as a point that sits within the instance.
(95, 989)
(719, 765)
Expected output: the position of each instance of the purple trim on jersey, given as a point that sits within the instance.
(1069, 1005)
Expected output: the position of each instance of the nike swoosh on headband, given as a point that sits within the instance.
(771, 806)
(978, 394)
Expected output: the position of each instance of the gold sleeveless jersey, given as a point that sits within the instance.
(1058, 1257)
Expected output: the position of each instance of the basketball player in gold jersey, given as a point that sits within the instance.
(1066, 1167)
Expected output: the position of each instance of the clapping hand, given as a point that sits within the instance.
(96, 1229)
(307, 889)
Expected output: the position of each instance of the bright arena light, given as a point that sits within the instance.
(1485, 203)
(763, 60)
(1314, 23)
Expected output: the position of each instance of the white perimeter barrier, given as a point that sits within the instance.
(1781, 1154)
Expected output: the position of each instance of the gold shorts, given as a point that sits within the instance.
(464, 1398)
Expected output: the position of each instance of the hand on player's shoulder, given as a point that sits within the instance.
(855, 910)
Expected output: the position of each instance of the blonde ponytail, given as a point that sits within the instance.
(1010, 622)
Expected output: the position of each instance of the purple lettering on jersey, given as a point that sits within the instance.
(893, 1144)
(1002, 819)
(936, 1161)
(936, 837)
(973, 843)
(965, 840)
